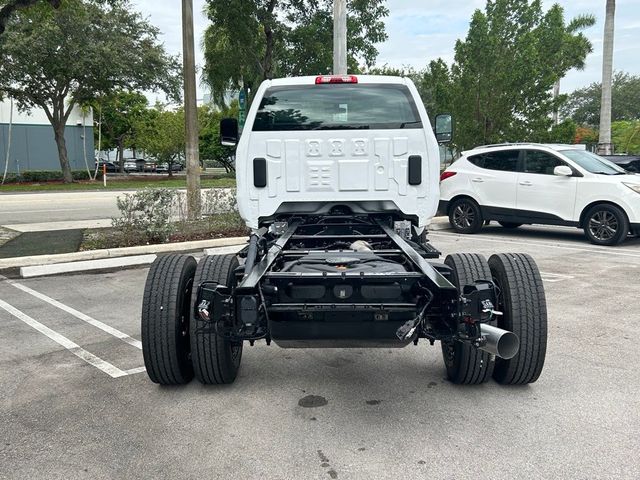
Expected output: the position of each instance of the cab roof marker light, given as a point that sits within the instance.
(326, 79)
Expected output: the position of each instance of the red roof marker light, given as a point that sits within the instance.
(325, 79)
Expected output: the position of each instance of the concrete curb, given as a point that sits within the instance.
(119, 252)
(86, 265)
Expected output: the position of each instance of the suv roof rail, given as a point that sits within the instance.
(554, 146)
(506, 144)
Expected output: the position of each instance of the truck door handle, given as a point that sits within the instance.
(477, 180)
(526, 183)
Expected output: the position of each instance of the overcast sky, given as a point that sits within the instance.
(421, 30)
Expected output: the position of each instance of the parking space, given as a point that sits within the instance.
(75, 402)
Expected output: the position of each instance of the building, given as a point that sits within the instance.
(33, 146)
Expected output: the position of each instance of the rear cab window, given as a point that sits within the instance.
(337, 107)
(501, 160)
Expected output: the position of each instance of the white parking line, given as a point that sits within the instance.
(603, 251)
(555, 277)
(133, 371)
(74, 348)
(85, 318)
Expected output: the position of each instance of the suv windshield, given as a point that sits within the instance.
(336, 107)
(593, 163)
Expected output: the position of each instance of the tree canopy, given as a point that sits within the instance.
(120, 114)
(211, 150)
(249, 41)
(161, 134)
(55, 59)
(505, 68)
(583, 105)
(7, 9)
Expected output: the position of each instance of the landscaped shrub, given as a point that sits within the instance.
(39, 176)
(145, 216)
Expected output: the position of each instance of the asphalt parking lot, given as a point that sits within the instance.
(76, 402)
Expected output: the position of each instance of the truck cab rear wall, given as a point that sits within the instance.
(390, 159)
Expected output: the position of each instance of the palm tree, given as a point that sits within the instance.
(604, 142)
(574, 27)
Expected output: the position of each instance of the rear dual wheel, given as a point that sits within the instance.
(521, 300)
(175, 343)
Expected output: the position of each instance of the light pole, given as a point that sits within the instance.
(339, 37)
(190, 113)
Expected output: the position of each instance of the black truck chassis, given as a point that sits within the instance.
(349, 280)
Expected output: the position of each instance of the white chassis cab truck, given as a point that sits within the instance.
(337, 179)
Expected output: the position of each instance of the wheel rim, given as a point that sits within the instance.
(603, 225)
(464, 215)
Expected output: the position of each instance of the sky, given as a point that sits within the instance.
(422, 30)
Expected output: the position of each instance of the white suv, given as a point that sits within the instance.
(518, 184)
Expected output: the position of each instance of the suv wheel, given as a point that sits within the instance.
(465, 216)
(606, 225)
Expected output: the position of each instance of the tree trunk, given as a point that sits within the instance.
(121, 154)
(556, 94)
(267, 67)
(58, 132)
(604, 142)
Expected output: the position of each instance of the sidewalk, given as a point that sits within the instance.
(54, 226)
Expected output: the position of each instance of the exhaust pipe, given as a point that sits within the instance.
(499, 342)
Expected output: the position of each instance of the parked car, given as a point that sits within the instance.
(149, 166)
(164, 167)
(130, 165)
(111, 167)
(631, 163)
(518, 184)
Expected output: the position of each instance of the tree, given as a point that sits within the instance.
(122, 111)
(249, 41)
(12, 5)
(56, 59)
(505, 69)
(604, 142)
(436, 88)
(210, 147)
(583, 105)
(161, 135)
(626, 136)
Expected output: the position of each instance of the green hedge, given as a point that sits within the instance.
(37, 176)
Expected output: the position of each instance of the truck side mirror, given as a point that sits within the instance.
(444, 128)
(229, 132)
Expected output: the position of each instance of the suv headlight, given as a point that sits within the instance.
(633, 186)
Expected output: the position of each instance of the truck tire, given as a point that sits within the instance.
(523, 305)
(465, 216)
(466, 364)
(216, 360)
(606, 224)
(165, 319)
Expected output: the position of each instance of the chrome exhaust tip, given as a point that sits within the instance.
(499, 342)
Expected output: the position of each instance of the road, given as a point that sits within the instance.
(24, 208)
(380, 414)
